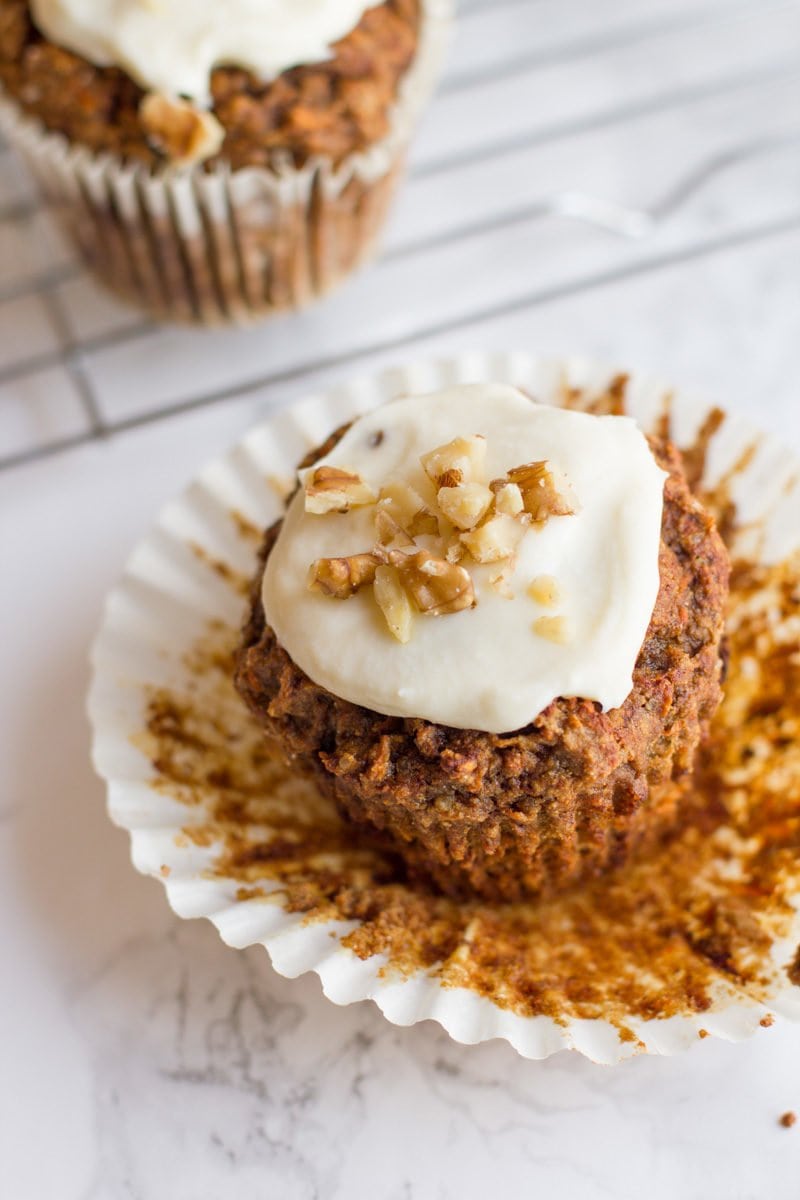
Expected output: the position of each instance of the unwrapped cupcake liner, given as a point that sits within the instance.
(178, 582)
(222, 245)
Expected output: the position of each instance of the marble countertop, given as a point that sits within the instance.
(141, 1058)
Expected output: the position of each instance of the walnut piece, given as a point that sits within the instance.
(471, 519)
(544, 590)
(390, 533)
(459, 461)
(175, 128)
(553, 629)
(466, 504)
(495, 540)
(341, 578)
(394, 603)
(435, 585)
(540, 496)
(408, 509)
(507, 498)
(335, 489)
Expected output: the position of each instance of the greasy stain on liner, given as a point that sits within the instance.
(672, 934)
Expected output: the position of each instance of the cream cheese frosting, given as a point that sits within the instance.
(577, 598)
(171, 46)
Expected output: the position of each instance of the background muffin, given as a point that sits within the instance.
(256, 196)
(504, 814)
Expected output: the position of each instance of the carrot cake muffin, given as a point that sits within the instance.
(491, 630)
(304, 94)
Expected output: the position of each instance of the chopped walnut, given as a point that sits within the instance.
(507, 498)
(495, 540)
(390, 532)
(178, 130)
(342, 577)
(544, 590)
(450, 478)
(436, 586)
(335, 489)
(540, 496)
(408, 509)
(469, 520)
(393, 601)
(459, 461)
(553, 629)
(466, 504)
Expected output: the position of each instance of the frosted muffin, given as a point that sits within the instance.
(213, 161)
(491, 629)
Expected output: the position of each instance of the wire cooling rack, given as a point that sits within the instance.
(570, 144)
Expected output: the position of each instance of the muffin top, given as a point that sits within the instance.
(250, 83)
(172, 47)
(468, 557)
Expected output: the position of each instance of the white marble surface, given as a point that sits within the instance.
(140, 1058)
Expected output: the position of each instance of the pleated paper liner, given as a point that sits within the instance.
(699, 939)
(216, 246)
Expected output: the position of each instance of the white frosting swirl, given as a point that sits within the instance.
(484, 668)
(172, 46)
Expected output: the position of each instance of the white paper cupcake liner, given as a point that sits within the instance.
(221, 245)
(168, 595)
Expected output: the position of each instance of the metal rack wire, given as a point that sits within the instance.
(635, 237)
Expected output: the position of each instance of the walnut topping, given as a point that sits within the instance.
(178, 130)
(540, 496)
(425, 521)
(335, 489)
(454, 549)
(466, 504)
(450, 478)
(436, 586)
(408, 509)
(342, 577)
(392, 599)
(544, 590)
(553, 629)
(495, 540)
(459, 461)
(390, 532)
(507, 497)
(470, 521)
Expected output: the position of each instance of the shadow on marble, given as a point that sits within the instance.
(73, 867)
